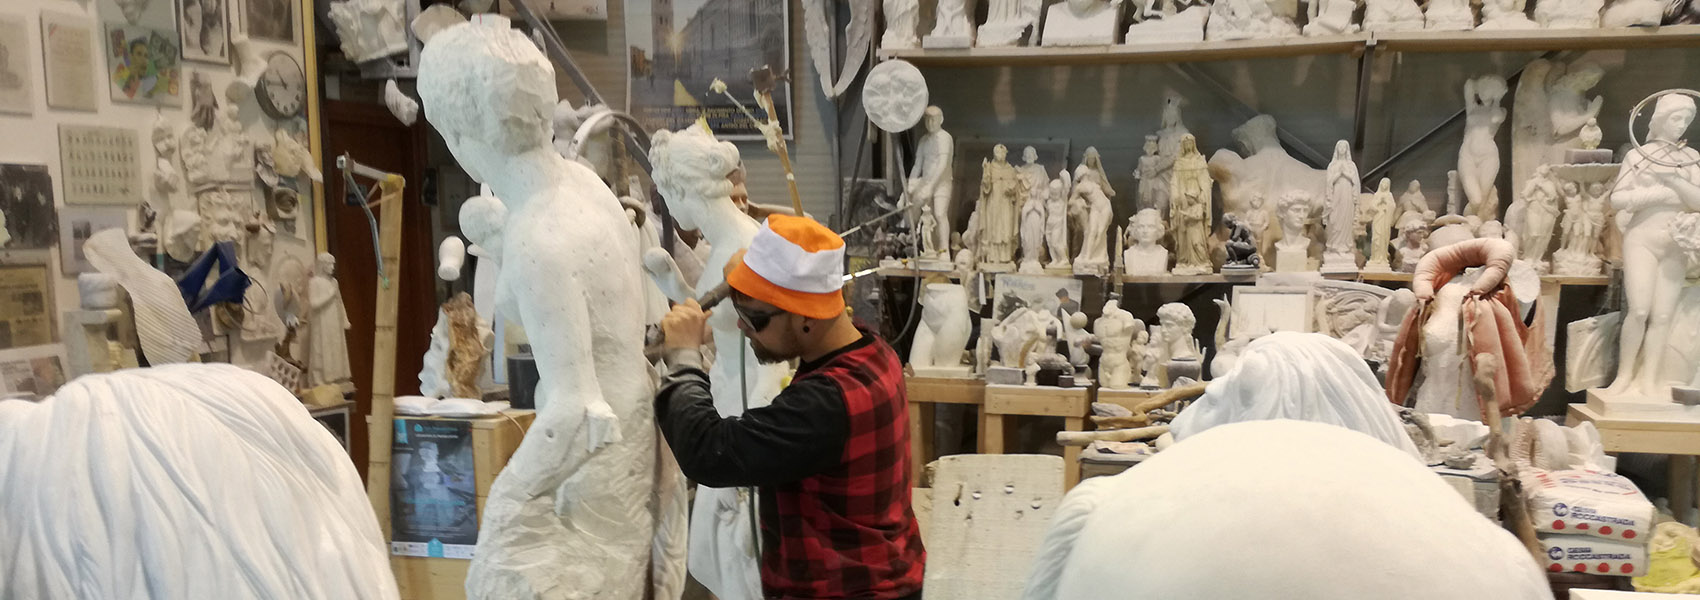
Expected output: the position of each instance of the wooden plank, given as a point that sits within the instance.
(1128, 399)
(989, 515)
(380, 422)
(1566, 280)
(1124, 279)
(1132, 53)
(1071, 455)
(939, 390)
(1672, 36)
(1396, 277)
(991, 432)
(1037, 401)
(921, 420)
(1652, 437)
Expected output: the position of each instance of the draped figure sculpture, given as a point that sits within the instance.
(1001, 193)
(1341, 212)
(1190, 221)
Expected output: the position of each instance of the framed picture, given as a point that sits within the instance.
(67, 50)
(28, 221)
(1267, 309)
(35, 372)
(100, 165)
(144, 66)
(1051, 292)
(678, 49)
(17, 89)
(203, 26)
(76, 224)
(272, 20)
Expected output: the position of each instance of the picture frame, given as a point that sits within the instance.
(276, 21)
(203, 29)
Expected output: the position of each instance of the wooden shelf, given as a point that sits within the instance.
(1131, 53)
(1564, 280)
(1671, 36)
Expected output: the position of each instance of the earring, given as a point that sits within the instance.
(805, 329)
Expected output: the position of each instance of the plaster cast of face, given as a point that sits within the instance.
(943, 334)
(1413, 244)
(1190, 211)
(1175, 322)
(369, 29)
(931, 181)
(1378, 215)
(490, 93)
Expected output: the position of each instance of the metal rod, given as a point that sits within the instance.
(1365, 67)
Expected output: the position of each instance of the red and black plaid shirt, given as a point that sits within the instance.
(830, 457)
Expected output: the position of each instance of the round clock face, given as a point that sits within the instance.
(283, 88)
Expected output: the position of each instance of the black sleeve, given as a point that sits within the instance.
(801, 433)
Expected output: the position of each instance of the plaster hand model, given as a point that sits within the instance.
(1082, 23)
(1551, 110)
(1478, 158)
(561, 519)
(1001, 193)
(1584, 220)
(1393, 15)
(943, 333)
(1115, 331)
(1189, 221)
(1341, 213)
(931, 181)
(1569, 14)
(1377, 214)
(1092, 187)
(1292, 252)
(1331, 17)
(1246, 20)
(370, 29)
(292, 159)
(1540, 204)
(901, 19)
(1449, 15)
(327, 350)
(1652, 200)
(1056, 220)
(1505, 14)
(278, 510)
(1413, 243)
(691, 170)
(1153, 174)
(1009, 23)
(953, 25)
(1266, 169)
(1033, 215)
(1633, 13)
(1144, 256)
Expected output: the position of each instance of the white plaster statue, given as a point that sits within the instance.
(1170, 127)
(1021, 332)
(1092, 187)
(1633, 13)
(1033, 216)
(1478, 158)
(1569, 14)
(942, 337)
(931, 181)
(1265, 170)
(1655, 201)
(1185, 26)
(1246, 20)
(1009, 23)
(1153, 175)
(1413, 243)
(691, 171)
(593, 449)
(1341, 212)
(597, 152)
(1540, 200)
(403, 107)
(1292, 251)
(370, 29)
(1077, 337)
(1001, 194)
(271, 493)
(929, 232)
(902, 17)
(1393, 15)
(953, 25)
(1413, 202)
(1115, 331)
(1551, 110)
(1082, 23)
(1449, 15)
(1144, 256)
(1584, 221)
(1331, 17)
(1175, 342)
(327, 350)
(1505, 14)
(1189, 221)
(1056, 220)
(1377, 214)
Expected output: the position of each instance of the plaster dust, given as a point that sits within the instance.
(1336, 515)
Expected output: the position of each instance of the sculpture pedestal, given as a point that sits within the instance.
(1294, 260)
(958, 372)
(1634, 406)
(933, 264)
(1597, 156)
(1339, 263)
(948, 41)
(1238, 272)
(1096, 28)
(997, 267)
(1378, 267)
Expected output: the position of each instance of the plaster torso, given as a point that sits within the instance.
(945, 327)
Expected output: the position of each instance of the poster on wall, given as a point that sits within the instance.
(433, 495)
(679, 47)
(271, 20)
(32, 372)
(17, 95)
(25, 307)
(1049, 292)
(205, 34)
(100, 165)
(143, 66)
(76, 224)
(67, 50)
(27, 217)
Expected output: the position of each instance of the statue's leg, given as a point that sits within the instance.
(1667, 287)
(1640, 272)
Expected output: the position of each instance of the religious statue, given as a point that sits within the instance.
(1342, 213)
(1033, 231)
(1056, 220)
(1377, 214)
(1241, 245)
(1654, 198)
(1540, 214)
(1190, 219)
(1478, 158)
(1092, 188)
(1413, 242)
(1009, 23)
(1153, 175)
(1001, 194)
(1292, 252)
(1414, 202)
(901, 19)
(327, 353)
(931, 182)
(953, 25)
(1115, 331)
(1584, 220)
(1143, 255)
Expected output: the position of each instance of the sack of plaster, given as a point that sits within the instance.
(1589, 554)
(1601, 505)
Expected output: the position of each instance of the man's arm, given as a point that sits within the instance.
(801, 433)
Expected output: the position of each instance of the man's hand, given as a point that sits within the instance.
(683, 328)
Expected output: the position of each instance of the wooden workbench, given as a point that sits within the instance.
(1072, 404)
(924, 394)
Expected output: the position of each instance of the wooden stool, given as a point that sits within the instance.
(1072, 404)
(926, 392)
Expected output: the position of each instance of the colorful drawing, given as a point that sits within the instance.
(144, 66)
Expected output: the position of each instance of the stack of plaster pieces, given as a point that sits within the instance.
(1587, 518)
(460, 408)
(181, 481)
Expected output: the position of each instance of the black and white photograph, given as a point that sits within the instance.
(271, 20)
(26, 208)
(433, 494)
(17, 96)
(203, 26)
(679, 47)
(76, 224)
(1012, 291)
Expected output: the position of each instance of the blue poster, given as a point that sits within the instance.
(433, 494)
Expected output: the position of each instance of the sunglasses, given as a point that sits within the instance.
(754, 321)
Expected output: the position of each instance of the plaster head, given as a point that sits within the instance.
(1189, 144)
(1672, 115)
(1571, 188)
(1597, 188)
(1000, 153)
(1112, 305)
(933, 119)
(1176, 320)
(325, 264)
(692, 171)
(1294, 208)
(490, 92)
(1416, 187)
(1386, 186)
(1342, 150)
(1077, 320)
(1029, 155)
(1150, 145)
(1092, 159)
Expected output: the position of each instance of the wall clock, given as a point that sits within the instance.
(282, 92)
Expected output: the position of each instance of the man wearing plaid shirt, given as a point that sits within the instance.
(830, 455)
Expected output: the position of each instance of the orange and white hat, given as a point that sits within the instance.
(795, 264)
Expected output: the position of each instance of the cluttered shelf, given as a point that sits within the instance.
(1669, 36)
(1378, 277)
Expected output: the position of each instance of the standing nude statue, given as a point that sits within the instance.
(930, 183)
(1478, 158)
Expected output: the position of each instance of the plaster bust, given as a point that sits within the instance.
(1144, 256)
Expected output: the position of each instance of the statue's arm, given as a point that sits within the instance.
(665, 273)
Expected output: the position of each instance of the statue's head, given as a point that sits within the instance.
(489, 91)
(691, 171)
(1189, 144)
(1176, 320)
(1294, 209)
(325, 264)
(1597, 188)
(1146, 226)
(1342, 150)
(1150, 145)
(1415, 187)
(1092, 159)
(1386, 186)
(1000, 153)
(933, 118)
(1672, 115)
(1029, 155)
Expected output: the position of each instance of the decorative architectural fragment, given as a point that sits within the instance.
(1009, 23)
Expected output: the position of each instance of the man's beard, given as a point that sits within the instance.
(764, 355)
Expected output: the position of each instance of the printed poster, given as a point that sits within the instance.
(32, 372)
(679, 47)
(203, 27)
(28, 221)
(25, 305)
(100, 165)
(433, 494)
(17, 95)
(68, 51)
(143, 66)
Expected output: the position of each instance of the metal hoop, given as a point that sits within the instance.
(1636, 114)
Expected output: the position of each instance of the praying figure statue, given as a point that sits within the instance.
(1190, 217)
